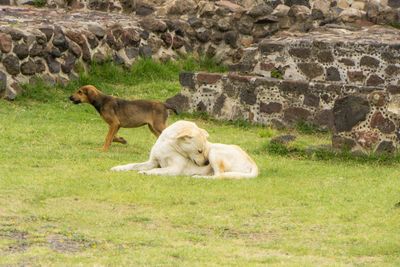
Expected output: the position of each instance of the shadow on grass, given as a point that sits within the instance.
(326, 153)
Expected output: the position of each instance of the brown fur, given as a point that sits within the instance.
(221, 166)
(123, 113)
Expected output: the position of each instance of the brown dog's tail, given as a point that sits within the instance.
(168, 106)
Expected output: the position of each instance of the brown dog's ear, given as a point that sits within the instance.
(89, 90)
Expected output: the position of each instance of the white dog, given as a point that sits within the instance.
(183, 149)
(228, 161)
(179, 150)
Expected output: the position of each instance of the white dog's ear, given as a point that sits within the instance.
(205, 133)
(185, 133)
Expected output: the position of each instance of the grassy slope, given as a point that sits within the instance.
(59, 204)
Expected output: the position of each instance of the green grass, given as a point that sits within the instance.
(61, 206)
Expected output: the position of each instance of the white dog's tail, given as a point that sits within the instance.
(239, 175)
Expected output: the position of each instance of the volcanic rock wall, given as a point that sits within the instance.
(339, 79)
(363, 118)
(54, 44)
(368, 57)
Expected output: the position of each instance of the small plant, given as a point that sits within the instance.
(395, 24)
(277, 74)
(307, 128)
(201, 63)
(267, 132)
(39, 3)
(275, 148)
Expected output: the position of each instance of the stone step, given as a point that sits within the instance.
(365, 118)
(368, 57)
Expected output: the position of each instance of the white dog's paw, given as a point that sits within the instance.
(144, 172)
(119, 168)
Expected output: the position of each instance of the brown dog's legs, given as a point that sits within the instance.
(112, 131)
(153, 131)
(158, 126)
(119, 139)
(156, 130)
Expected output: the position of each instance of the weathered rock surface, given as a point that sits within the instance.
(347, 110)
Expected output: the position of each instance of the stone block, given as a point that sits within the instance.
(340, 142)
(186, 79)
(299, 87)
(367, 138)
(356, 76)
(374, 80)
(180, 102)
(208, 78)
(311, 70)
(219, 104)
(248, 97)
(384, 125)
(348, 111)
(11, 63)
(28, 68)
(369, 61)
(333, 74)
(3, 82)
(5, 43)
(300, 52)
(296, 114)
(21, 50)
(270, 108)
(325, 56)
(385, 147)
(266, 47)
(311, 100)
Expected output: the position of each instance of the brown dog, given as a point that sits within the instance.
(123, 113)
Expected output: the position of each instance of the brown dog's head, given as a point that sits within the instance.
(84, 94)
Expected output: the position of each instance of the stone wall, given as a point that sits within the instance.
(363, 118)
(339, 79)
(54, 44)
(369, 57)
(378, 11)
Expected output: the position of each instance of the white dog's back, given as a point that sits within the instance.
(230, 161)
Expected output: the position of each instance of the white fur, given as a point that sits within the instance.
(229, 161)
(170, 155)
(177, 152)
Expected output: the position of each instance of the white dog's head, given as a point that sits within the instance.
(193, 142)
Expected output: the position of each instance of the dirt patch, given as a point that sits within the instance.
(254, 236)
(61, 243)
(18, 240)
(73, 244)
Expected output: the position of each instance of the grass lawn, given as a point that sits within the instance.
(60, 204)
